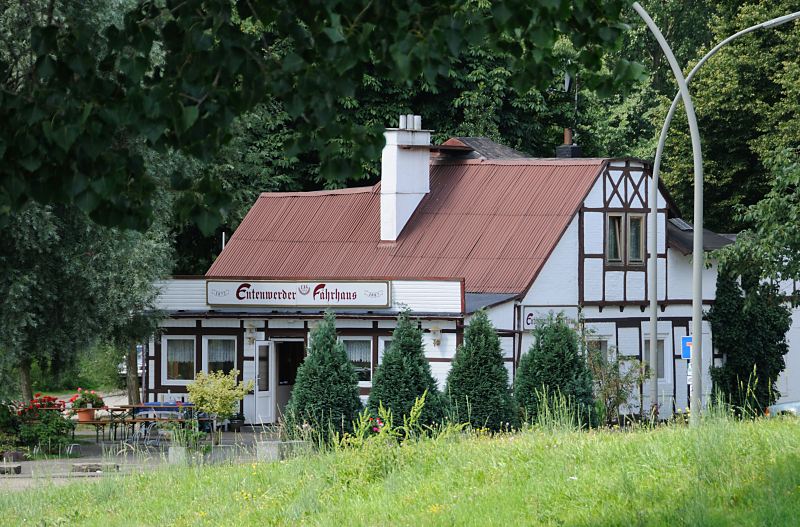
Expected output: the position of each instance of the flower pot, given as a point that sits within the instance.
(277, 450)
(235, 425)
(85, 414)
(268, 450)
(178, 455)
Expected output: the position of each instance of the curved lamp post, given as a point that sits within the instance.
(652, 267)
(697, 267)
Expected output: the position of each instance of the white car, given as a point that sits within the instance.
(123, 368)
(790, 408)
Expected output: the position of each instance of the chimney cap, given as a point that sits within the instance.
(410, 122)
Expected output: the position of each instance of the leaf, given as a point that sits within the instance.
(31, 164)
(189, 117)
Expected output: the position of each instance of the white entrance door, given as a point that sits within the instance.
(264, 383)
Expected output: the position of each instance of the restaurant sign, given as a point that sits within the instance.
(270, 293)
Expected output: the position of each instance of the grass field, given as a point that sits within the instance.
(723, 473)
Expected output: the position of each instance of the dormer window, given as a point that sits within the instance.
(624, 239)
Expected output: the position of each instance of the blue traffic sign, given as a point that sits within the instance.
(686, 347)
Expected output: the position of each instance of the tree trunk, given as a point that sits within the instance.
(132, 377)
(25, 379)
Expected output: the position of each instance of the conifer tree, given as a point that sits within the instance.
(553, 365)
(405, 374)
(325, 394)
(749, 321)
(477, 384)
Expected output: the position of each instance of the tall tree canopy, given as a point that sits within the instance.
(67, 282)
(746, 102)
(78, 99)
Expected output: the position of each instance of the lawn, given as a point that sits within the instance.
(723, 473)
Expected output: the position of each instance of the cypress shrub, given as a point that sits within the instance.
(554, 364)
(325, 393)
(477, 384)
(404, 374)
(749, 321)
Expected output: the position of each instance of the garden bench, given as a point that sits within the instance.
(10, 469)
(95, 467)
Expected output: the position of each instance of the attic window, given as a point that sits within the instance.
(635, 239)
(614, 239)
(625, 239)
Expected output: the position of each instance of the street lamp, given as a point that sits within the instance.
(697, 268)
(698, 230)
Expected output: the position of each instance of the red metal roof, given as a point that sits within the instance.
(491, 222)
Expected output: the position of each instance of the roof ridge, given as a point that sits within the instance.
(324, 192)
(526, 161)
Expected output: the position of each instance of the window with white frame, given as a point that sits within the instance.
(625, 238)
(359, 352)
(179, 357)
(660, 357)
(220, 354)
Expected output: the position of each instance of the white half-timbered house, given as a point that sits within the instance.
(449, 230)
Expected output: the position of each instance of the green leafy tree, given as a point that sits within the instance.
(325, 393)
(774, 238)
(749, 321)
(477, 384)
(746, 103)
(68, 283)
(82, 93)
(554, 364)
(404, 375)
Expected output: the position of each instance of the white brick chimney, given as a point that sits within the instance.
(405, 174)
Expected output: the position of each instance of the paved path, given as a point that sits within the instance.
(234, 448)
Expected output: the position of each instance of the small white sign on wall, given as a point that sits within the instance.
(531, 314)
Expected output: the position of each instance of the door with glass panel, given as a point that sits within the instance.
(264, 383)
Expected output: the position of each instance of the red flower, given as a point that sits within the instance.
(374, 428)
(92, 391)
(79, 389)
(37, 395)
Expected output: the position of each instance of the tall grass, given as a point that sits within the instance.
(725, 472)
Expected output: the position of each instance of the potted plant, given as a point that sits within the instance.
(85, 403)
(183, 441)
(218, 394)
(235, 422)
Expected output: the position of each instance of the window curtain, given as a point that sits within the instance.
(358, 350)
(360, 354)
(221, 355)
(180, 359)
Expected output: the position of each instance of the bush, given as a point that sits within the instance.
(9, 420)
(325, 394)
(50, 431)
(749, 324)
(614, 383)
(218, 394)
(554, 364)
(477, 384)
(43, 423)
(404, 375)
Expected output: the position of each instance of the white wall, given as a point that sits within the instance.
(557, 282)
(789, 381)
